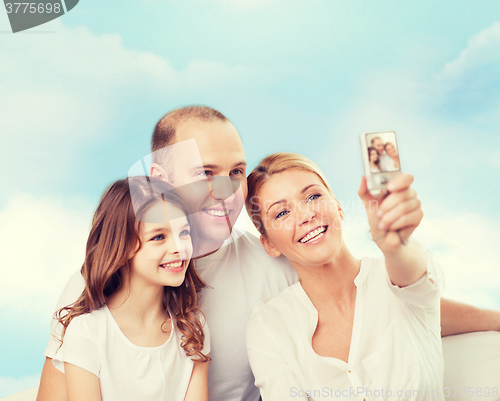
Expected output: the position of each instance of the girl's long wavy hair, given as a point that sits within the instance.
(113, 241)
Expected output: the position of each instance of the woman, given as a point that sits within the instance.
(136, 332)
(350, 328)
(392, 163)
(374, 160)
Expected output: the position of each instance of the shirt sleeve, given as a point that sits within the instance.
(80, 346)
(70, 294)
(273, 375)
(426, 291)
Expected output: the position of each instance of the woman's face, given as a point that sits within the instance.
(390, 149)
(301, 217)
(373, 155)
(166, 246)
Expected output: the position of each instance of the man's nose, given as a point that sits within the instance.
(222, 187)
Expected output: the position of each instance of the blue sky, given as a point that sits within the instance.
(79, 98)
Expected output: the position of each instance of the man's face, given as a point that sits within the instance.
(379, 145)
(219, 201)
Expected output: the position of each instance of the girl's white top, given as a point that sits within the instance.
(395, 351)
(94, 342)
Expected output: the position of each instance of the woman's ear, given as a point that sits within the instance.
(269, 247)
(341, 212)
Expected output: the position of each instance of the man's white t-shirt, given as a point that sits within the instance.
(386, 163)
(395, 344)
(240, 273)
(127, 372)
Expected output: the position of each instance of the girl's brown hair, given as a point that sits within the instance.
(274, 164)
(114, 239)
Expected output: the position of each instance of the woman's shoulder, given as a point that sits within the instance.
(288, 304)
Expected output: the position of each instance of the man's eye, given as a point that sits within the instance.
(205, 173)
(237, 171)
(183, 233)
(281, 214)
(313, 197)
(159, 237)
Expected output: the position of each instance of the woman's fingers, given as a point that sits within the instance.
(400, 182)
(394, 199)
(408, 220)
(396, 213)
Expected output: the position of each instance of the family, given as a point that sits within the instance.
(383, 156)
(174, 303)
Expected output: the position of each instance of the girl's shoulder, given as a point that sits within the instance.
(88, 323)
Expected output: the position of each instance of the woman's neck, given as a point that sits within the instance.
(333, 281)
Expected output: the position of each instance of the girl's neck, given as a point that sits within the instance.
(333, 281)
(138, 300)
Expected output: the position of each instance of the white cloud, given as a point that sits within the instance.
(468, 86)
(69, 87)
(10, 385)
(43, 243)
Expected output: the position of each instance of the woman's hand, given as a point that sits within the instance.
(394, 218)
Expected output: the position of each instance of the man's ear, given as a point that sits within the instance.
(269, 247)
(158, 171)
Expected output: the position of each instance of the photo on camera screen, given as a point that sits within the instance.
(383, 153)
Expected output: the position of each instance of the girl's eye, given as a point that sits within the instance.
(183, 233)
(281, 214)
(313, 197)
(159, 237)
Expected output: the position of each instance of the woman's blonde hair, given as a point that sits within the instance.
(274, 164)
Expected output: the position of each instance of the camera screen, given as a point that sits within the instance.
(383, 153)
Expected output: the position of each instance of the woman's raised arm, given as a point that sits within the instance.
(392, 221)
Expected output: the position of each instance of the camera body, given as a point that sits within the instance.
(380, 154)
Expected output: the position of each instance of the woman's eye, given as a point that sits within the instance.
(281, 214)
(313, 197)
(183, 233)
(159, 237)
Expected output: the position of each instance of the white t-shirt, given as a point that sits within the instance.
(127, 372)
(386, 163)
(395, 344)
(240, 274)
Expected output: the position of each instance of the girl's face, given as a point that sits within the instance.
(301, 217)
(166, 246)
(373, 155)
(390, 149)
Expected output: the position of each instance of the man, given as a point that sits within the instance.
(383, 157)
(239, 271)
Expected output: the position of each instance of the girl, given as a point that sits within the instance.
(351, 329)
(135, 332)
(374, 160)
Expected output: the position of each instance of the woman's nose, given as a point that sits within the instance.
(306, 214)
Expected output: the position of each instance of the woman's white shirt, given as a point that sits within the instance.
(395, 344)
(94, 342)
